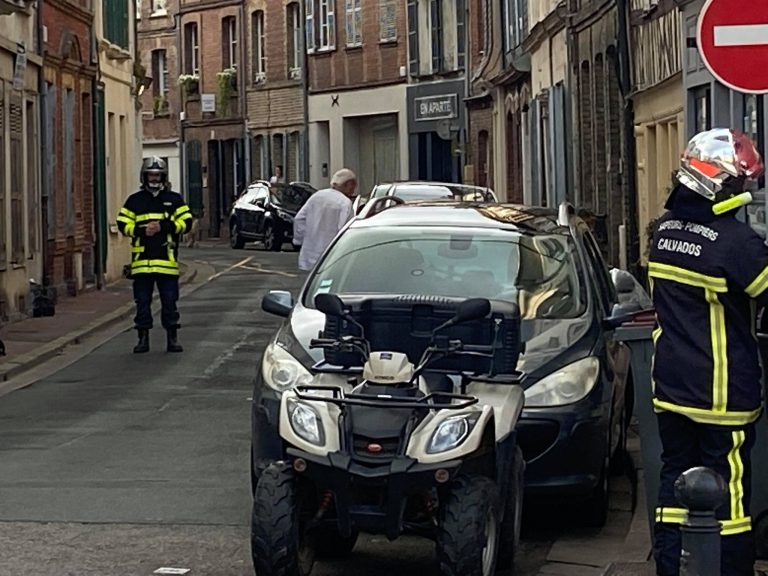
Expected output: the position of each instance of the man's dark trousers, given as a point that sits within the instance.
(725, 449)
(168, 287)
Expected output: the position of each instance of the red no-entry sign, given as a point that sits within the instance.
(733, 42)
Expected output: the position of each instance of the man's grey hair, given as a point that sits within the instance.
(342, 177)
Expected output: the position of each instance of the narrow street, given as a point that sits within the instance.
(123, 464)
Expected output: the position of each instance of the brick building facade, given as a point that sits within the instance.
(275, 89)
(213, 107)
(71, 261)
(357, 54)
(161, 103)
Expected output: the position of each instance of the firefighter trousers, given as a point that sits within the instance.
(168, 288)
(725, 449)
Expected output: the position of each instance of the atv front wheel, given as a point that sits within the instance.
(279, 544)
(468, 534)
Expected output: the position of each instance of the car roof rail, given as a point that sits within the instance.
(371, 207)
(564, 213)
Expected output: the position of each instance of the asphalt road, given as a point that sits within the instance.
(122, 464)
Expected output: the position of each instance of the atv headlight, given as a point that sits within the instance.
(566, 386)
(451, 433)
(281, 370)
(305, 421)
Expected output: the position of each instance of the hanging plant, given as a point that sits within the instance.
(190, 84)
(227, 79)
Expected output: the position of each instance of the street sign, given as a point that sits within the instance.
(733, 42)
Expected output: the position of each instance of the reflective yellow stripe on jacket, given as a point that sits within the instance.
(155, 266)
(712, 286)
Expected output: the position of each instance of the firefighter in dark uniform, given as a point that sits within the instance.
(708, 274)
(154, 218)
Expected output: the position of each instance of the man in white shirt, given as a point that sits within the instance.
(322, 216)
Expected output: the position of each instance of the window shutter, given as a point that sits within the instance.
(310, 25)
(331, 24)
(413, 37)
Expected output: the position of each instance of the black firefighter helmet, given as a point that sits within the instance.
(154, 165)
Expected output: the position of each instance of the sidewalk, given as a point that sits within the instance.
(32, 341)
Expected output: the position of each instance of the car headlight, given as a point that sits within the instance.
(451, 433)
(305, 421)
(566, 386)
(282, 371)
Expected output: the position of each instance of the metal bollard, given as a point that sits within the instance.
(702, 491)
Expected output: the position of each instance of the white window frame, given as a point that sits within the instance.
(513, 24)
(159, 8)
(354, 21)
(232, 33)
(138, 9)
(194, 45)
(321, 26)
(259, 46)
(162, 81)
(387, 5)
(294, 29)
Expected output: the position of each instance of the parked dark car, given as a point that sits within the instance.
(435, 191)
(578, 384)
(265, 212)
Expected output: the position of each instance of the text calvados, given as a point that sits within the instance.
(679, 246)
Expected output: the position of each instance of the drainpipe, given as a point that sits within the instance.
(184, 184)
(625, 80)
(42, 90)
(305, 88)
(467, 91)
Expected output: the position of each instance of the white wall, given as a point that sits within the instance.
(331, 148)
(170, 151)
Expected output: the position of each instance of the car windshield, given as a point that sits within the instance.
(290, 197)
(442, 191)
(540, 272)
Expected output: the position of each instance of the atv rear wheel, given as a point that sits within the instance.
(468, 533)
(279, 544)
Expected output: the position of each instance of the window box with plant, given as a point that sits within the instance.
(227, 88)
(190, 84)
(161, 106)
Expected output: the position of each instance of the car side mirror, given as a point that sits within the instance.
(278, 302)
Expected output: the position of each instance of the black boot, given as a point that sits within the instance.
(143, 344)
(173, 343)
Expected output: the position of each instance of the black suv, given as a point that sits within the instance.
(265, 212)
(578, 385)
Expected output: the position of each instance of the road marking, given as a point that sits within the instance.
(238, 265)
(741, 35)
(169, 570)
(257, 268)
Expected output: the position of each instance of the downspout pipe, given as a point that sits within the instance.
(625, 77)
(42, 89)
(305, 87)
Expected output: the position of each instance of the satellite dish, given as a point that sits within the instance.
(444, 129)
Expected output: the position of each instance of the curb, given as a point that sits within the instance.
(25, 362)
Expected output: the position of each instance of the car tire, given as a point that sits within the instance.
(511, 526)
(235, 239)
(273, 238)
(279, 545)
(329, 544)
(468, 529)
(593, 513)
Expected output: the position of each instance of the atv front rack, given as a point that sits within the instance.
(339, 398)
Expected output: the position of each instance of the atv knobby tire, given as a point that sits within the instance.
(463, 534)
(278, 545)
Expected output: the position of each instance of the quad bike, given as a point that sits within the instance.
(398, 451)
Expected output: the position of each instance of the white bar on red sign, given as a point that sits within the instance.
(741, 35)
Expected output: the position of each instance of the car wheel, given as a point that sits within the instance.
(511, 526)
(273, 238)
(279, 544)
(468, 532)
(594, 511)
(235, 239)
